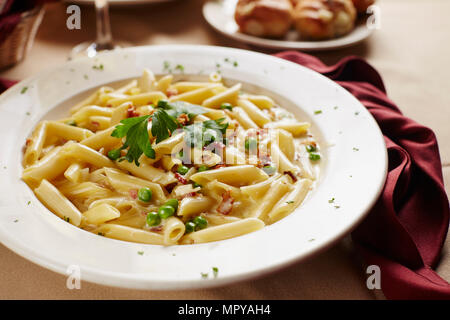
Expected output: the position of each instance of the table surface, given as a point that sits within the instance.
(410, 50)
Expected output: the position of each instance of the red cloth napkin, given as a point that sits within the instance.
(406, 229)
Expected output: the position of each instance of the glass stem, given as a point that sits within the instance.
(104, 36)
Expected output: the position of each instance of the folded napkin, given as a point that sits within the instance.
(406, 229)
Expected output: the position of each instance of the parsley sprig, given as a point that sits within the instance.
(204, 133)
(164, 123)
(137, 139)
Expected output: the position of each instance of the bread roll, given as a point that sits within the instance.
(264, 18)
(324, 19)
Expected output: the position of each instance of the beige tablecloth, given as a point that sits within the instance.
(412, 53)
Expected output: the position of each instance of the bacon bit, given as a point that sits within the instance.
(171, 92)
(157, 228)
(189, 195)
(290, 174)
(226, 205)
(219, 166)
(183, 119)
(28, 141)
(131, 112)
(109, 105)
(180, 178)
(170, 187)
(95, 123)
(133, 193)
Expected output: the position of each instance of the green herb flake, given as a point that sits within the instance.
(355, 149)
(235, 64)
(318, 112)
(85, 77)
(28, 113)
(215, 271)
(337, 207)
(204, 275)
(179, 67)
(99, 67)
(166, 67)
(28, 203)
(356, 113)
(15, 221)
(335, 107)
(141, 253)
(24, 89)
(311, 240)
(331, 200)
(290, 201)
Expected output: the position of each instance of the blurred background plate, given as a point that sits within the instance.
(119, 2)
(220, 15)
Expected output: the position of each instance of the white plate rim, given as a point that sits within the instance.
(211, 7)
(133, 281)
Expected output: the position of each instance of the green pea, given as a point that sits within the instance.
(196, 185)
(314, 156)
(190, 226)
(251, 144)
(200, 223)
(172, 203)
(166, 211)
(182, 169)
(226, 105)
(114, 154)
(202, 168)
(269, 170)
(153, 219)
(145, 194)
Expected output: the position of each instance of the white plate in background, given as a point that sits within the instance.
(220, 15)
(354, 168)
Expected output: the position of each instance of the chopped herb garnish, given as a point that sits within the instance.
(270, 170)
(28, 113)
(356, 113)
(355, 149)
(318, 112)
(166, 67)
(235, 64)
(16, 221)
(314, 156)
(337, 207)
(290, 201)
(99, 67)
(179, 67)
(335, 107)
(86, 76)
(215, 271)
(29, 202)
(24, 89)
(71, 123)
(310, 240)
(137, 139)
(331, 200)
(204, 275)
(141, 253)
(310, 148)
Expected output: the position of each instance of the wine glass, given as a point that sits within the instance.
(104, 40)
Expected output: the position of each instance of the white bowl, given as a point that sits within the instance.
(353, 172)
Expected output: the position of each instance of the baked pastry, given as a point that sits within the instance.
(324, 19)
(264, 18)
(362, 5)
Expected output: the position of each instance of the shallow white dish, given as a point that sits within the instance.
(220, 15)
(353, 172)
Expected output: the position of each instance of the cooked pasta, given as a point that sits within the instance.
(167, 162)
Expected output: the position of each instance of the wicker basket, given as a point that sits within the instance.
(16, 45)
